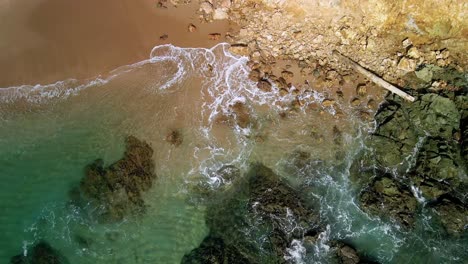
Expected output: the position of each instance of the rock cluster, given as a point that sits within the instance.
(295, 30)
(118, 188)
(40, 253)
(259, 205)
(307, 32)
(258, 220)
(418, 160)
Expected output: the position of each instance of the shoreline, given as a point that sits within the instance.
(57, 44)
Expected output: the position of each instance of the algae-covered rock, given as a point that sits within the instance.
(461, 102)
(257, 219)
(388, 198)
(118, 188)
(452, 214)
(417, 149)
(394, 137)
(40, 253)
(439, 169)
(436, 115)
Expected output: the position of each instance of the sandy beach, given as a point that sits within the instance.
(51, 40)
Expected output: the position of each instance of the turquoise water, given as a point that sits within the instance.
(48, 134)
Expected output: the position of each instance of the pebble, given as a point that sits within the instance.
(355, 102)
(287, 75)
(264, 85)
(328, 102)
(361, 89)
(371, 104)
(340, 94)
(406, 43)
(214, 36)
(192, 28)
(283, 92)
(206, 7)
(444, 54)
(413, 52)
(363, 115)
(331, 75)
(255, 75)
(220, 13)
(407, 65)
(239, 49)
(226, 3)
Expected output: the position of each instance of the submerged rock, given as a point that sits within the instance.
(41, 253)
(256, 221)
(174, 137)
(241, 114)
(118, 188)
(214, 250)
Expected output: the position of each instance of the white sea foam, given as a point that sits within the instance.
(296, 252)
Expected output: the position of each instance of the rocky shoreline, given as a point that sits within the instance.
(417, 160)
(278, 36)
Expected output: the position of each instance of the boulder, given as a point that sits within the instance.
(452, 214)
(436, 115)
(213, 250)
(388, 198)
(255, 220)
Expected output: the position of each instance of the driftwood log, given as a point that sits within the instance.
(374, 78)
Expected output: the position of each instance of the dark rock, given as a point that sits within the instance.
(348, 255)
(452, 214)
(228, 173)
(435, 115)
(386, 197)
(344, 253)
(287, 76)
(422, 143)
(264, 85)
(439, 169)
(213, 250)
(255, 75)
(41, 253)
(119, 187)
(214, 36)
(258, 218)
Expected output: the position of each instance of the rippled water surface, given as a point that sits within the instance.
(49, 133)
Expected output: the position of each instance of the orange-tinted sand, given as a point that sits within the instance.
(50, 40)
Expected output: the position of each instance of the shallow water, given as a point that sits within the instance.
(50, 133)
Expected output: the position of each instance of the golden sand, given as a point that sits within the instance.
(50, 40)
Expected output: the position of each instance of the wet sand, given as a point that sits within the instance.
(50, 40)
